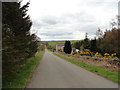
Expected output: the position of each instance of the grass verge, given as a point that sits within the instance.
(107, 73)
(20, 79)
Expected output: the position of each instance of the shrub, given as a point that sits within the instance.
(85, 53)
(87, 50)
(113, 55)
(67, 47)
(73, 53)
(106, 55)
(98, 54)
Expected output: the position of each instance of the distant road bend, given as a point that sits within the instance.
(54, 72)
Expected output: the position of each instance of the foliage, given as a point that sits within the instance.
(73, 53)
(52, 44)
(67, 47)
(21, 77)
(99, 33)
(77, 44)
(113, 55)
(98, 54)
(84, 53)
(106, 55)
(83, 44)
(86, 43)
(18, 43)
(110, 42)
(41, 46)
(93, 45)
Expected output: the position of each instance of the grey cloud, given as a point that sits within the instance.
(46, 21)
(91, 28)
(53, 22)
(49, 20)
(81, 16)
(63, 26)
(55, 34)
(38, 24)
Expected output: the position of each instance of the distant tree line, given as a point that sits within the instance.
(17, 43)
(109, 42)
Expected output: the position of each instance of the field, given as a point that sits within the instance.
(53, 43)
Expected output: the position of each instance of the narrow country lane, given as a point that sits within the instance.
(54, 72)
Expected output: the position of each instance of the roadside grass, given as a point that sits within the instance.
(20, 79)
(107, 73)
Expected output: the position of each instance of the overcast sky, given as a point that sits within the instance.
(70, 19)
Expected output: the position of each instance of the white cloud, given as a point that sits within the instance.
(70, 19)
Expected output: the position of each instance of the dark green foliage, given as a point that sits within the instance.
(67, 47)
(86, 43)
(18, 43)
(109, 42)
(93, 45)
(77, 44)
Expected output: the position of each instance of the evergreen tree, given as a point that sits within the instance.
(93, 45)
(67, 47)
(77, 45)
(86, 43)
(18, 43)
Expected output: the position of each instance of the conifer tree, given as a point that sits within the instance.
(67, 47)
(18, 43)
(93, 45)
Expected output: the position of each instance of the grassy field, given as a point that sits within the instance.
(107, 73)
(53, 43)
(20, 79)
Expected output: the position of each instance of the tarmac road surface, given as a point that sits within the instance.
(54, 72)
